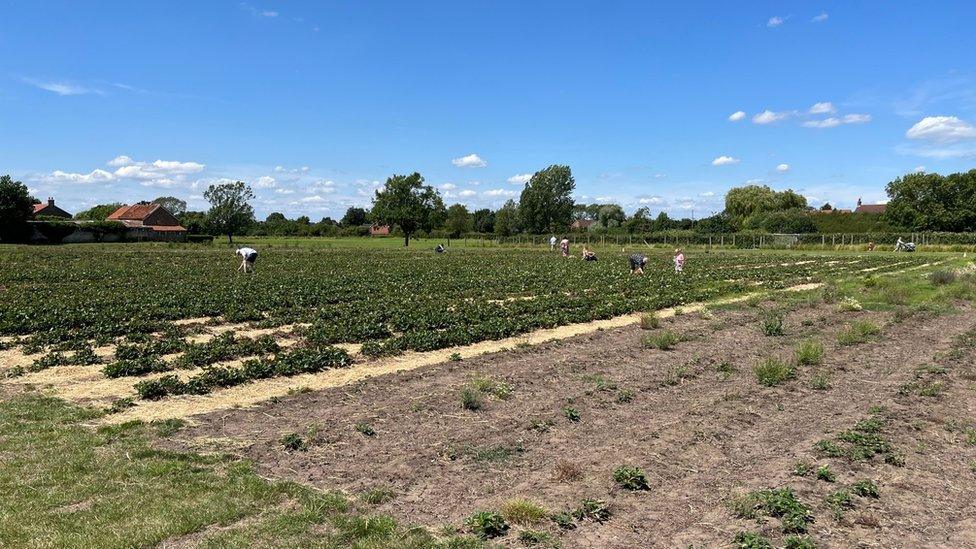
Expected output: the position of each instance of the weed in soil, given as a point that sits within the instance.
(365, 429)
(593, 509)
(294, 442)
(751, 540)
(809, 352)
(825, 474)
(566, 471)
(820, 381)
(625, 395)
(471, 399)
(781, 503)
(649, 321)
(771, 323)
(564, 520)
(773, 371)
(865, 488)
(839, 501)
(630, 478)
(537, 537)
(802, 469)
(799, 542)
(523, 512)
(858, 332)
(665, 340)
(377, 495)
(572, 414)
(487, 525)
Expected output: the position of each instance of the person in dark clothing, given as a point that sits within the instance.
(588, 255)
(637, 263)
(440, 249)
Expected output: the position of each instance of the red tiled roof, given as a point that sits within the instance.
(871, 208)
(39, 207)
(167, 228)
(136, 212)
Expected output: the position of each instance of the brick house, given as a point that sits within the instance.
(149, 222)
(50, 210)
(870, 208)
(379, 230)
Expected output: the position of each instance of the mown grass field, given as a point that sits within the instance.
(91, 333)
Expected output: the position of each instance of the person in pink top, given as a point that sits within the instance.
(679, 261)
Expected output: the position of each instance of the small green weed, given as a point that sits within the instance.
(487, 524)
(865, 488)
(858, 332)
(820, 381)
(649, 321)
(809, 352)
(751, 540)
(294, 441)
(773, 371)
(593, 509)
(471, 399)
(378, 495)
(523, 512)
(631, 478)
(365, 429)
(771, 323)
(664, 340)
(572, 414)
(839, 501)
(825, 474)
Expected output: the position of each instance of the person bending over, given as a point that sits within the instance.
(588, 255)
(637, 263)
(248, 257)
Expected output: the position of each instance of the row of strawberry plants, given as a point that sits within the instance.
(302, 360)
(141, 359)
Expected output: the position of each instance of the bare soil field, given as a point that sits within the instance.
(553, 422)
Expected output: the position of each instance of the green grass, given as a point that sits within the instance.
(664, 340)
(523, 512)
(66, 485)
(773, 371)
(858, 332)
(809, 352)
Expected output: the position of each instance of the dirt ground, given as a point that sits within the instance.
(701, 435)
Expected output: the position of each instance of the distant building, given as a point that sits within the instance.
(50, 209)
(870, 208)
(149, 222)
(581, 224)
(379, 230)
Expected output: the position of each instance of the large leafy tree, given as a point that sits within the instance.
(546, 203)
(932, 202)
(483, 220)
(406, 202)
(610, 216)
(230, 211)
(98, 213)
(507, 219)
(16, 208)
(354, 217)
(172, 204)
(750, 200)
(458, 220)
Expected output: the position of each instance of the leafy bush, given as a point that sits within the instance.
(593, 509)
(751, 540)
(781, 503)
(809, 352)
(471, 399)
(798, 542)
(135, 367)
(825, 474)
(943, 277)
(155, 389)
(487, 524)
(865, 488)
(631, 478)
(649, 321)
(773, 371)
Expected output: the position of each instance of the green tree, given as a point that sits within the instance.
(354, 217)
(458, 220)
(195, 222)
(406, 202)
(99, 212)
(172, 204)
(610, 216)
(664, 222)
(16, 208)
(230, 211)
(507, 219)
(483, 220)
(932, 202)
(546, 203)
(745, 201)
(640, 222)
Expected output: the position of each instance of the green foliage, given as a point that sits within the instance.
(750, 200)
(839, 501)
(546, 203)
(771, 323)
(942, 277)
(294, 441)
(572, 414)
(365, 429)
(593, 509)
(471, 399)
(802, 469)
(799, 542)
(865, 488)
(378, 495)
(230, 213)
(487, 524)
(649, 321)
(751, 540)
(631, 478)
(458, 220)
(135, 367)
(536, 537)
(809, 352)
(781, 503)
(99, 212)
(523, 512)
(404, 201)
(858, 332)
(825, 474)
(664, 340)
(932, 202)
(773, 371)
(16, 208)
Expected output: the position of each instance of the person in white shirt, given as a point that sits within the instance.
(552, 243)
(248, 257)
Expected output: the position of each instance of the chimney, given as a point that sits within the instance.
(50, 201)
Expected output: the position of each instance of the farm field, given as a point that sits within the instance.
(391, 398)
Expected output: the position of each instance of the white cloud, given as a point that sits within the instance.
(917, 169)
(466, 193)
(820, 18)
(469, 161)
(651, 200)
(520, 179)
(825, 107)
(783, 168)
(316, 199)
(293, 171)
(269, 13)
(448, 186)
(62, 88)
(776, 21)
(725, 161)
(174, 166)
(768, 117)
(284, 191)
(265, 182)
(833, 122)
(120, 160)
(736, 116)
(95, 176)
(754, 181)
(941, 129)
(499, 192)
(707, 194)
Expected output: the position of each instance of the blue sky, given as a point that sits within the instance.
(314, 103)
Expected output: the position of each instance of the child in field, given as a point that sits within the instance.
(679, 261)
(440, 249)
(552, 243)
(248, 257)
(588, 255)
(637, 262)
(564, 246)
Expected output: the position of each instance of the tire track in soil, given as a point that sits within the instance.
(698, 441)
